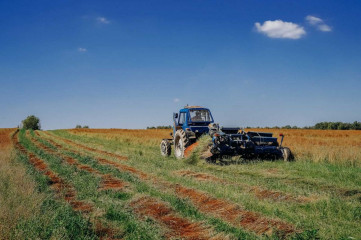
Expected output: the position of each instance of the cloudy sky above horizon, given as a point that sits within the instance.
(131, 64)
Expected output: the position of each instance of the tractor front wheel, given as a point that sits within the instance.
(180, 143)
(165, 148)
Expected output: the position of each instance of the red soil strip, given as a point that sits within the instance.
(103, 231)
(69, 160)
(220, 208)
(119, 157)
(123, 167)
(223, 209)
(258, 192)
(234, 214)
(108, 181)
(179, 227)
(64, 190)
(56, 183)
(190, 149)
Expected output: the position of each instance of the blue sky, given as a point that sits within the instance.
(131, 64)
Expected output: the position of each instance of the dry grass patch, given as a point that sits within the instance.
(334, 146)
(140, 136)
(19, 199)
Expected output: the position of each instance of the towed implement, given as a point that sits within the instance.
(194, 121)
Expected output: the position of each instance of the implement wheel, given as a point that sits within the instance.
(180, 143)
(165, 148)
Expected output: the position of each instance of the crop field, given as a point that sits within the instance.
(114, 184)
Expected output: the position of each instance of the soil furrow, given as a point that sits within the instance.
(61, 188)
(108, 181)
(178, 226)
(220, 208)
(65, 191)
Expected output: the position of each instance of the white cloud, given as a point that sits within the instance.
(318, 23)
(176, 100)
(313, 20)
(103, 20)
(280, 29)
(325, 28)
(82, 49)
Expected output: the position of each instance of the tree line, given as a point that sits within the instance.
(323, 126)
(160, 127)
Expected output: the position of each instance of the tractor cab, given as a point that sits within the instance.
(193, 120)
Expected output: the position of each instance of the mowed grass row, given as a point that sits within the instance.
(42, 216)
(258, 224)
(220, 229)
(185, 209)
(334, 189)
(105, 203)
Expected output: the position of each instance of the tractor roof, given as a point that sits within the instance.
(189, 107)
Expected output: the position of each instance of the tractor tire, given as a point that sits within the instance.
(287, 155)
(180, 143)
(165, 148)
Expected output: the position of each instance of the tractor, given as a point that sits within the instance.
(194, 121)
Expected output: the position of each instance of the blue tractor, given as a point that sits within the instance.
(193, 121)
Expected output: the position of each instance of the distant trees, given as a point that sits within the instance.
(79, 126)
(160, 127)
(31, 122)
(338, 126)
(324, 126)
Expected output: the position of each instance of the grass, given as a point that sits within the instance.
(333, 212)
(18, 197)
(28, 209)
(182, 207)
(332, 189)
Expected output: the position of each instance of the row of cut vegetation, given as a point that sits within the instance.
(328, 187)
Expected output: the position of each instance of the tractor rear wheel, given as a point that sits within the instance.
(180, 143)
(165, 148)
(287, 155)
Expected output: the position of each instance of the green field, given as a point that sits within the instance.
(123, 189)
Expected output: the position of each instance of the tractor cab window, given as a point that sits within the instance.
(182, 118)
(200, 115)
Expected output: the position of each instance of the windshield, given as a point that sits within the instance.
(200, 115)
